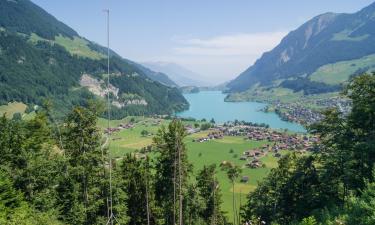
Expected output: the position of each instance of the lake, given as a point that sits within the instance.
(211, 104)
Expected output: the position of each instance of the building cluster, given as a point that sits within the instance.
(343, 104)
(211, 136)
(191, 130)
(279, 141)
(120, 127)
(299, 113)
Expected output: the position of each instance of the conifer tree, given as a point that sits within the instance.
(172, 170)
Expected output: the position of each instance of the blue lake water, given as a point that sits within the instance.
(211, 104)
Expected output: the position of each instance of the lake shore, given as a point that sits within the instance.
(212, 105)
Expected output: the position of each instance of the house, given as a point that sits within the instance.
(245, 179)
(254, 164)
(243, 157)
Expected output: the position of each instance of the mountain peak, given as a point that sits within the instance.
(325, 39)
(368, 12)
(23, 16)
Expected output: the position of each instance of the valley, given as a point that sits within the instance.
(130, 137)
(187, 112)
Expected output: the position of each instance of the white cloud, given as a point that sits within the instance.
(253, 44)
(220, 58)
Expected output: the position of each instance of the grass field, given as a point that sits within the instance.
(199, 154)
(340, 72)
(76, 46)
(12, 108)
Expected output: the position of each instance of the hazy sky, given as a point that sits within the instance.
(216, 38)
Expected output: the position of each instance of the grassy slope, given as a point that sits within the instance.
(130, 140)
(12, 108)
(340, 72)
(200, 154)
(333, 74)
(77, 46)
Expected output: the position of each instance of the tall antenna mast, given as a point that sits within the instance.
(111, 217)
(214, 187)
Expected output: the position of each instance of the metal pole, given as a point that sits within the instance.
(180, 183)
(214, 200)
(111, 215)
(147, 206)
(109, 118)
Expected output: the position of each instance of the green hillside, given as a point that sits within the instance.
(42, 58)
(318, 56)
(340, 72)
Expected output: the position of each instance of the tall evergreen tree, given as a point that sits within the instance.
(172, 171)
(209, 191)
(81, 190)
(136, 180)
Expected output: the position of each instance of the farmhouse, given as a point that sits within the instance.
(245, 179)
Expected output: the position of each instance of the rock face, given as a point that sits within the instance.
(325, 39)
(98, 87)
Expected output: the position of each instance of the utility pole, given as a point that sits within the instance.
(174, 187)
(179, 177)
(147, 206)
(111, 217)
(214, 196)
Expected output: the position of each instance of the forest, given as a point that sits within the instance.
(335, 185)
(34, 73)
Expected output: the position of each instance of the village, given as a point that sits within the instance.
(120, 127)
(279, 141)
(308, 111)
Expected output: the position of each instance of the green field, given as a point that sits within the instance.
(77, 46)
(130, 140)
(12, 108)
(217, 151)
(199, 154)
(340, 72)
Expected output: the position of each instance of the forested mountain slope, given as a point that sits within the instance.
(42, 58)
(318, 56)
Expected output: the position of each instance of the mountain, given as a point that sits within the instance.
(157, 76)
(318, 56)
(42, 58)
(179, 74)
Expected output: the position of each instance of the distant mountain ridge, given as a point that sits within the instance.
(307, 54)
(42, 58)
(179, 74)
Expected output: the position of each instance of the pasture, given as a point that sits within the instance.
(199, 154)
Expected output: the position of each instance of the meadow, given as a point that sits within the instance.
(199, 154)
(12, 108)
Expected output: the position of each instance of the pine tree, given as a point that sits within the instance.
(172, 170)
(82, 190)
(136, 177)
(209, 191)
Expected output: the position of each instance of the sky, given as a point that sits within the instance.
(218, 39)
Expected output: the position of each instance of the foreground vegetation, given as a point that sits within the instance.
(54, 173)
(333, 186)
(58, 173)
